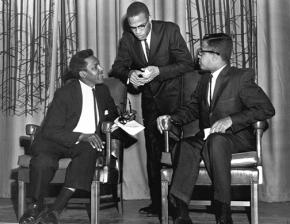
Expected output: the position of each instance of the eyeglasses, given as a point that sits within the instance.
(201, 51)
(140, 27)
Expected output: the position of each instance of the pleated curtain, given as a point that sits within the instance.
(97, 25)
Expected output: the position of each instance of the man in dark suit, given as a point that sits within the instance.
(227, 101)
(71, 128)
(152, 58)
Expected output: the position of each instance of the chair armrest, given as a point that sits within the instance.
(107, 129)
(260, 127)
(31, 130)
(26, 140)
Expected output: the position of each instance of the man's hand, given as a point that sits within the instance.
(136, 78)
(160, 122)
(221, 125)
(94, 140)
(150, 72)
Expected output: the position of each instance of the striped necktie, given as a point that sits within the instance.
(147, 49)
(209, 97)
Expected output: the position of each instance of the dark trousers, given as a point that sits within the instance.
(79, 173)
(216, 152)
(154, 142)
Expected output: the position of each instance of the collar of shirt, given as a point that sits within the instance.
(148, 40)
(216, 73)
(85, 87)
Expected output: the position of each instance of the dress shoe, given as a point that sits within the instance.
(181, 220)
(48, 217)
(150, 211)
(32, 213)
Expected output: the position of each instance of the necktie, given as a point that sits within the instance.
(147, 49)
(95, 109)
(210, 91)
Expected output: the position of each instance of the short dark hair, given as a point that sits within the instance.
(221, 43)
(77, 64)
(136, 8)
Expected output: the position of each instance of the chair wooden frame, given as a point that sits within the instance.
(246, 170)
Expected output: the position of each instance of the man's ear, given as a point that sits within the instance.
(150, 19)
(83, 74)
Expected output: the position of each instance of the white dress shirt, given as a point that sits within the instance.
(86, 123)
(213, 82)
(148, 40)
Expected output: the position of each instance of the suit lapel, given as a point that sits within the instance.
(221, 81)
(100, 103)
(77, 92)
(153, 42)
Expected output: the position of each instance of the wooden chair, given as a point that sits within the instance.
(103, 166)
(246, 169)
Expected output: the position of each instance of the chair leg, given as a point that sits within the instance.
(254, 204)
(164, 201)
(21, 198)
(95, 202)
(120, 196)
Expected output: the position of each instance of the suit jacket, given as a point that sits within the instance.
(64, 112)
(236, 95)
(168, 51)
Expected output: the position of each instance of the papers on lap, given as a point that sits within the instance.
(131, 127)
(206, 133)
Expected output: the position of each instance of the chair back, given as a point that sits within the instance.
(118, 91)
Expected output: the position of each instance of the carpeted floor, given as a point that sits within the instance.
(270, 213)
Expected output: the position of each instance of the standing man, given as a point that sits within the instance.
(72, 129)
(227, 102)
(152, 57)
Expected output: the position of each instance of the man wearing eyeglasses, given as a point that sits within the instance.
(227, 101)
(152, 58)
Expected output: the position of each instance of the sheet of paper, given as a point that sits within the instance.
(146, 73)
(206, 133)
(131, 127)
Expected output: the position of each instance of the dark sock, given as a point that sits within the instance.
(62, 199)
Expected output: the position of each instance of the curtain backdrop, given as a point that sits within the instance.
(99, 26)
(273, 76)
